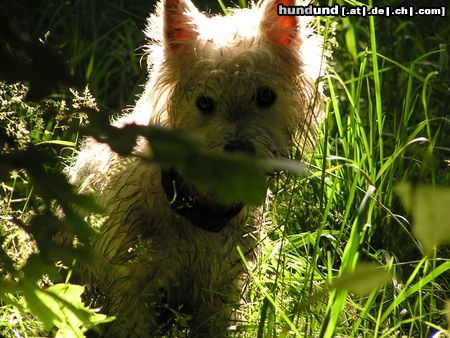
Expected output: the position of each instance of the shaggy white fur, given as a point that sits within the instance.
(243, 82)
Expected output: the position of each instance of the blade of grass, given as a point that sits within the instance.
(408, 290)
(349, 260)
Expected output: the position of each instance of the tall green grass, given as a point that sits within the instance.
(384, 125)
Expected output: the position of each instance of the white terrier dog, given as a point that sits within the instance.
(242, 83)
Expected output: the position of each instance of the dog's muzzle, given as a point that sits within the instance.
(188, 202)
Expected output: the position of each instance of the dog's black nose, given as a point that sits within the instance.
(243, 146)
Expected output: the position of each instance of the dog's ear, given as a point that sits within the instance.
(179, 26)
(282, 30)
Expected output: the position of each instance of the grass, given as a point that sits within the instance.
(343, 259)
(370, 143)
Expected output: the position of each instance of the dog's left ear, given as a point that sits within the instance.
(282, 30)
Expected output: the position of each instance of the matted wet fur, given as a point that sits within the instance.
(243, 82)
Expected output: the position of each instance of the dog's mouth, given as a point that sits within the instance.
(202, 209)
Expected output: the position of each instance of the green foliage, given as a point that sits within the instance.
(235, 178)
(387, 123)
(57, 307)
(364, 278)
(60, 306)
(430, 210)
(36, 236)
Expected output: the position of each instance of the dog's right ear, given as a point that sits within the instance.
(179, 27)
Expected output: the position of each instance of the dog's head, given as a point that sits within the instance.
(244, 82)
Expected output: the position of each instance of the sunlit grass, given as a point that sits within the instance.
(349, 213)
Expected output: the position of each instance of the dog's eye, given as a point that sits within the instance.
(265, 97)
(205, 104)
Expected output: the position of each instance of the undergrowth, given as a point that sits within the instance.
(351, 254)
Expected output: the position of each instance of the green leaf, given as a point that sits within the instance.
(366, 278)
(430, 210)
(350, 38)
(60, 143)
(61, 306)
(234, 177)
